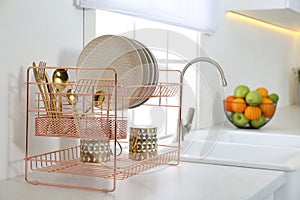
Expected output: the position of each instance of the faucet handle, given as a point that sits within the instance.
(190, 115)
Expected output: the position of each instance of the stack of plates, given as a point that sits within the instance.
(135, 65)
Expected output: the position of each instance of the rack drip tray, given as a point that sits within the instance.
(67, 161)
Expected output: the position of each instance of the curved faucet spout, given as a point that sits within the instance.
(209, 60)
(199, 59)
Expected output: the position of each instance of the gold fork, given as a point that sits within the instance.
(41, 89)
(45, 79)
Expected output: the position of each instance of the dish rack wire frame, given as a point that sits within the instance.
(120, 169)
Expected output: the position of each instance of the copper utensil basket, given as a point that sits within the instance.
(93, 127)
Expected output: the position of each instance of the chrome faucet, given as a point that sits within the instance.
(209, 60)
(186, 130)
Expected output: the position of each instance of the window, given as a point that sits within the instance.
(172, 47)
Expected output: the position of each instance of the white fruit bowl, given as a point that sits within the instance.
(240, 120)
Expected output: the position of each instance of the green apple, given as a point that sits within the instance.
(258, 122)
(241, 91)
(253, 98)
(239, 119)
(274, 97)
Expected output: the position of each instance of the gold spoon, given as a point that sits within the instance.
(72, 98)
(99, 98)
(60, 78)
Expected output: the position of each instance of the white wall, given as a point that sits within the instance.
(254, 55)
(31, 30)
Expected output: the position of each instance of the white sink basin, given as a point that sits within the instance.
(246, 155)
(254, 137)
(249, 149)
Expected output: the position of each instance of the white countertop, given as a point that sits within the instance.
(186, 181)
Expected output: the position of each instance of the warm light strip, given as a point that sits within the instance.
(262, 23)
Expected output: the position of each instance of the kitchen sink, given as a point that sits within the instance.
(250, 137)
(246, 155)
(265, 151)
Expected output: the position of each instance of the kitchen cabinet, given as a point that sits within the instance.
(283, 13)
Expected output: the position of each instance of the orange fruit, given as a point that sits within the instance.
(270, 113)
(228, 102)
(238, 105)
(263, 91)
(267, 107)
(252, 112)
(266, 104)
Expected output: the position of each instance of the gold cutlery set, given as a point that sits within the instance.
(47, 90)
(52, 92)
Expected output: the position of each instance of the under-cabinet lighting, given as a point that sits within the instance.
(261, 23)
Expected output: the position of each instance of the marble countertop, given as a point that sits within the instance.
(186, 181)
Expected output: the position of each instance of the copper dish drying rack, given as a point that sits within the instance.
(46, 118)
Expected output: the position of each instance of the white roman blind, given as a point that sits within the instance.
(204, 16)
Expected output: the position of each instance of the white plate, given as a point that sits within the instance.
(153, 73)
(146, 75)
(110, 51)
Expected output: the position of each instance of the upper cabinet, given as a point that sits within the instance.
(284, 13)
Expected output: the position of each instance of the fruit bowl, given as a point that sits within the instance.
(243, 115)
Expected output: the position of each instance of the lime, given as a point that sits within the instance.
(274, 97)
